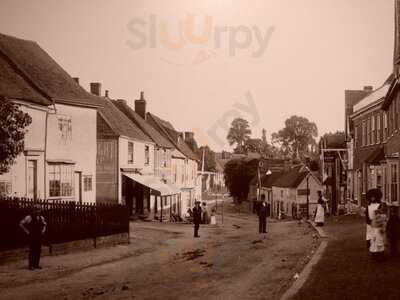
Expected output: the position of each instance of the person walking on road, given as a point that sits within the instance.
(262, 215)
(319, 217)
(34, 225)
(197, 214)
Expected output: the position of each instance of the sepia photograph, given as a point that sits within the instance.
(200, 149)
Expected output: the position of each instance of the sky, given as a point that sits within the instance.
(203, 63)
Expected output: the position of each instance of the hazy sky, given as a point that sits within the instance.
(315, 49)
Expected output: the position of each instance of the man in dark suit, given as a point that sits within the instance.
(262, 215)
(197, 218)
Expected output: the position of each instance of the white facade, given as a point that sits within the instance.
(26, 175)
(286, 198)
(71, 154)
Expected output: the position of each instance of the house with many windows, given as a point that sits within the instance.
(61, 160)
(184, 165)
(368, 134)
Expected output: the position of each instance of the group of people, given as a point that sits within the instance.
(379, 227)
(199, 215)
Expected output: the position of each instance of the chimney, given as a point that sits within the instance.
(106, 93)
(368, 88)
(140, 106)
(189, 135)
(76, 79)
(95, 88)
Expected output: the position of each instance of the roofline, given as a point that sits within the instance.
(374, 105)
(76, 103)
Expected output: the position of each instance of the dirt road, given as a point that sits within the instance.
(163, 261)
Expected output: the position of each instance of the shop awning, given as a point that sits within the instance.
(153, 183)
(376, 157)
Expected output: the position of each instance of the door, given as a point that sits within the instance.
(32, 179)
(78, 186)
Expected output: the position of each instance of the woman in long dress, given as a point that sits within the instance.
(376, 220)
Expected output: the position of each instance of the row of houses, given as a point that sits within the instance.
(290, 189)
(86, 147)
(373, 135)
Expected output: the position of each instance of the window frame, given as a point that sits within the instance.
(131, 152)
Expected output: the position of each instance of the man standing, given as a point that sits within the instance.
(197, 218)
(34, 226)
(262, 215)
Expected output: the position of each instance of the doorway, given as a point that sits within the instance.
(32, 179)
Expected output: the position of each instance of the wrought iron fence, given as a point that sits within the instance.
(66, 221)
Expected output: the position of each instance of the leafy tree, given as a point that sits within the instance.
(297, 138)
(13, 122)
(238, 174)
(210, 163)
(238, 134)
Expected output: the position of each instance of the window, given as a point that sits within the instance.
(146, 155)
(61, 179)
(130, 153)
(368, 131)
(385, 125)
(65, 128)
(393, 182)
(5, 188)
(364, 134)
(373, 132)
(87, 183)
(378, 129)
(164, 164)
(356, 142)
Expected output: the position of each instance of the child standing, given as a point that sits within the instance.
(378, 225)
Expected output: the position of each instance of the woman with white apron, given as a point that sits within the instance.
(319, 213)
(375, 223)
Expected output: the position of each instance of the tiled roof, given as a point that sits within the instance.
(157, 137)
(290, 179)
(372, 98)
(14, 86)
(121, 124)
(47, 75)
(170, 133)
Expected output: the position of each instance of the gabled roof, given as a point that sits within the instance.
(290, 179)
(157, 137)
(120, 124)
(169, 132)
(46, 74)
(372, 99)
(14, 86)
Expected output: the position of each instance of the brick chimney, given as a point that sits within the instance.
(189, 135)
(76, 79)
(140, 106)
(368, 88)
(95, 88)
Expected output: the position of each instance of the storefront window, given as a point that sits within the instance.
(61, 179)
(393, 182)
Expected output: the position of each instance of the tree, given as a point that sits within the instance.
(210, 163)
(238, 174)
(297, 138)
(238, 134)
(13, 122)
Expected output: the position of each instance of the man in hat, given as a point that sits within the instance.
(262, 215)
(34, 225)
(197, 213)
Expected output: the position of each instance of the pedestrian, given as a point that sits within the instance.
(319, 216)
(393, 229)
(262, 215)
(197, 218)
(34, 225)
(376, 222)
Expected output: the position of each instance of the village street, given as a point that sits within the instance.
(163, 261)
